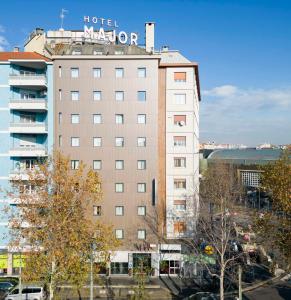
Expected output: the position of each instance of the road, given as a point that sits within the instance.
(278, 291)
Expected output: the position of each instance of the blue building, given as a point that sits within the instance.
(26, 126)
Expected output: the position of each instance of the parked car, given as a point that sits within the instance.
(28, 293)
(6, 285)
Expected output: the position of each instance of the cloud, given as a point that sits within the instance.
(3, 42)
(251, 116)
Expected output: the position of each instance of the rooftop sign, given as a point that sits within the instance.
(111, 34)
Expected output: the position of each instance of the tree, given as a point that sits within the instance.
(53, 221)
(274, 227)
(214, 245)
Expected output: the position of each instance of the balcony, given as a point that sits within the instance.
(33, 104)
(31, 80)
(23, 127)
(28, 151)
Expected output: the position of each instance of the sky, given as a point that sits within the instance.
(243, 48)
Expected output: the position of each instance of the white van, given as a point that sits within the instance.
(28, 293)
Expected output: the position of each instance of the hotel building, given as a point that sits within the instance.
(131, 113)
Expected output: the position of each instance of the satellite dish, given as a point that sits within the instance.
(182, 123)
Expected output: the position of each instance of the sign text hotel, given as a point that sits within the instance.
(102, 36)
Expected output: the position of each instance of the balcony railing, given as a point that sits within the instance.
(30, 103)
(27, 76)
(28, 100)
(28, 150)
(27, 79)
(27, 124)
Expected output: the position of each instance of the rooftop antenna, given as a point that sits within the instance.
(62, 16)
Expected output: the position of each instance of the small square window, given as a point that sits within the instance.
(119, 119)
(119, 142)
(119, 96)
(180, 120)
(75, 118)
(180, 204)
(97, 95)
(180, 99)
(180, 162)
(141, 164)
(75, 141)
(179, 141)
(180, 76)
(141, 119)
(96, 210)
(74, 72)
(141, 210)
(74, 164)
(97, 141)
(119, 210)
(119, 187)
(141, 234)
(119, 234)
(97, 119)
(179, 184)
(119, 72)
(141, 96)
(97, 165)
(141, 141)
(119, 164)
(141, 187)
(96, 72)
(141, 72)
(75, 95)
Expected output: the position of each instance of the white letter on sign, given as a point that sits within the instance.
(86, 19)
(101, 34)
(122, 36)
(133, 39)
(88, 32)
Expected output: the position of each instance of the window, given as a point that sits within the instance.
(180, 99)
(119, 164)
(141, 210)
(97, 119)
(180, 183)
(180, 204)
(141, 72)
(119, 268)
(75, 96)
(141, 95)
(170, 267)
(97, 95)
(74, 72)
(141, 234)
(96, 210)
(141, 164)
(179, 141)
(119, 141)
(180, 120)
(119, 210)
(97, 164)
(60, 94)
(60, 71)
(74, 164)
(119, 95)
(141, 141)
(119, 72)
(180, 76)
(97, 141)
(180, 162)
(96, 72)
(75, 118)
(60, 140)
(119, 187)
(119, 119)
(60, 117)
(119, 233)
(75, 141)
(141, 187)
(141, 119)
(179, 228)
(76, 52)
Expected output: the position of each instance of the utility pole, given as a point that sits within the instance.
(239, 282)
(91, 275)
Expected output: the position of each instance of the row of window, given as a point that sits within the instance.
(179, 141)
(141, 234)
(119, 210)
(97, 72)
(97, 141)
(97, 118)
(119, 119)
(179, 162)
(97, 95)
(119, 73)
